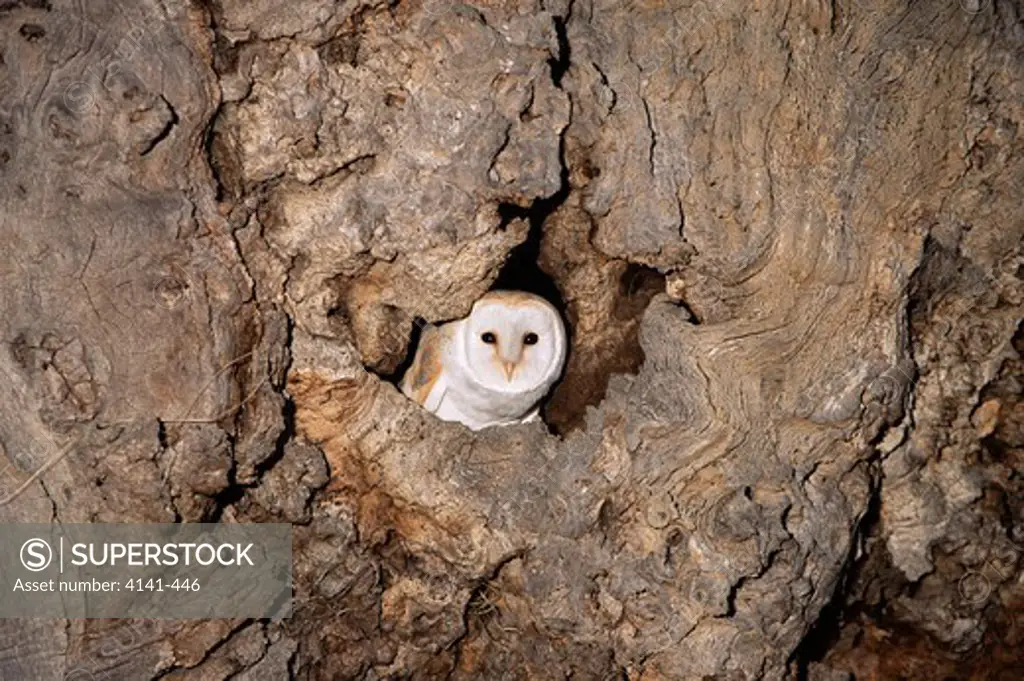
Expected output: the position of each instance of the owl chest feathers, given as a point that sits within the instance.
(476, 405)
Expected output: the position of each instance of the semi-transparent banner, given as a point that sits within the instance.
(179, 571)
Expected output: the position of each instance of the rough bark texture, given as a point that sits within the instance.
(787, 238)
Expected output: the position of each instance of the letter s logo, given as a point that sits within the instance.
(36, 555)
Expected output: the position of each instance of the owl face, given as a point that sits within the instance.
(514, 342)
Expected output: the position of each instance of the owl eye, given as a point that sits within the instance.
(488, 337)
(530, 339)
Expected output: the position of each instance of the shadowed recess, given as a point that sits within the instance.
(617, 351)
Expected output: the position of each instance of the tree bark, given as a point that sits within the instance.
(786, 237)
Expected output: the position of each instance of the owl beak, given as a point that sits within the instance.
(510, 369)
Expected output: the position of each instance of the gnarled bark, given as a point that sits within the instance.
(786, 238)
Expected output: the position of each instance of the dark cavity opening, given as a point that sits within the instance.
(589, 370)
(395, 377)
(521, 271)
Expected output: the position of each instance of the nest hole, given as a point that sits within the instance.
(593, 362)
(521, 270)
(535, 266)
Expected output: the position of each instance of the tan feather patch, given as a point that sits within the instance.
(421, 377)
(513, 298)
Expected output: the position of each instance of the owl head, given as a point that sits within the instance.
(513, 342)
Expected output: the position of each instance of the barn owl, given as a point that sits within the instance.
(492, 367)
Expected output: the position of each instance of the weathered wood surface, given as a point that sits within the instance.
(788, 240)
